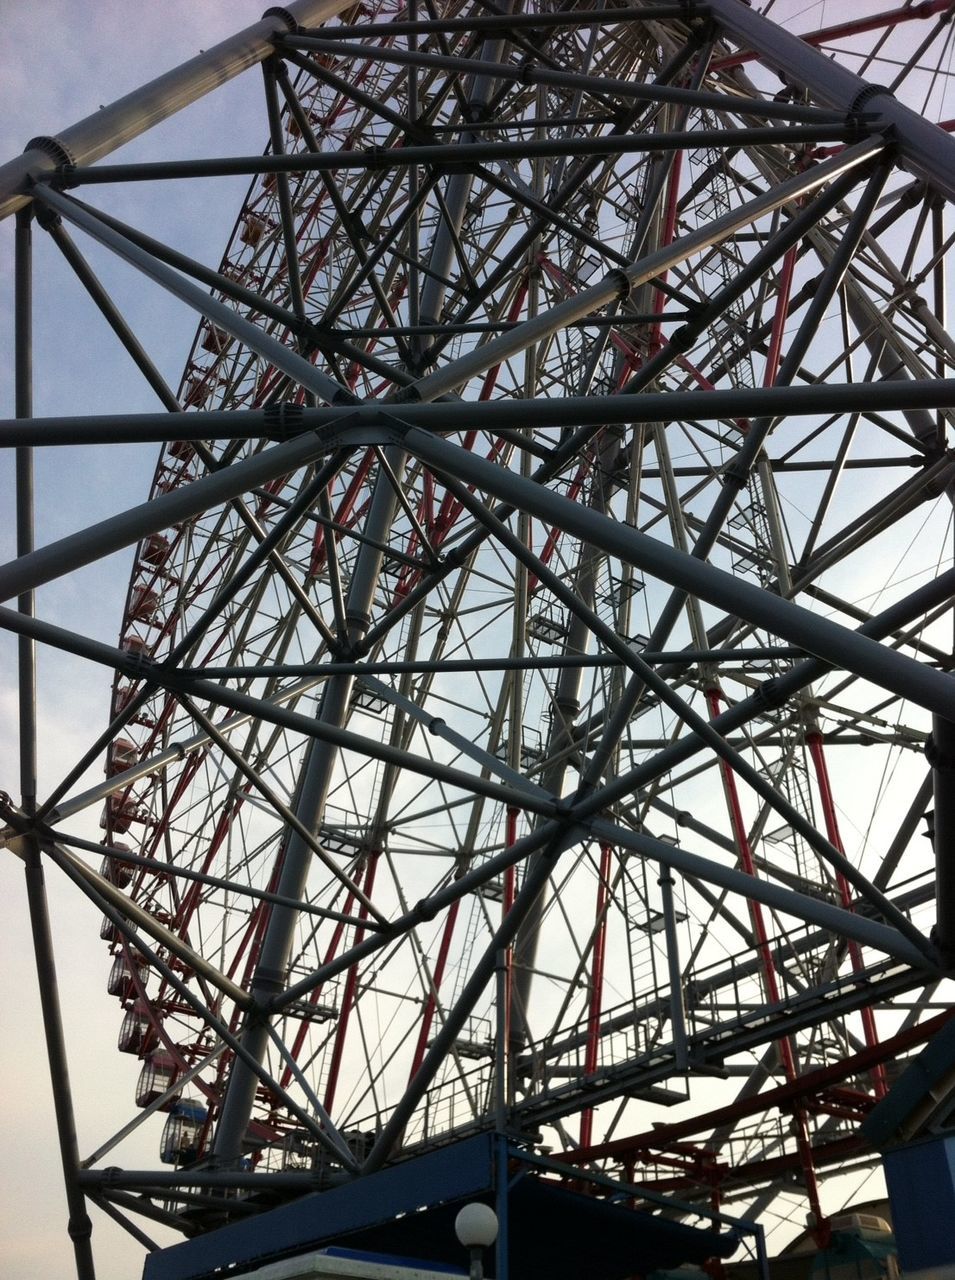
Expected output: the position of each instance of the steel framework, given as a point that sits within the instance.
(535, 666)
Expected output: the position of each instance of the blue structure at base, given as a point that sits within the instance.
(408, 1210)
(921, 1181)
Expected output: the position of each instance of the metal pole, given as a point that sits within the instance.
(269, 348)
(270, 975)
(833, 919)
(79, 1226)
(932, 689)
(621, 283)
(698, 725)
(509, 73)
(925, 149)
(498, 417)
(941, 754)
(254, 708)
(128, 117)
(677, 1007)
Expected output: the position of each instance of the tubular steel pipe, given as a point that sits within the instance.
(128, 117)
(295, 856)
(835, 920)
(621, 283)
(941, 755)
(924, 148)
(596, 983)
(273, 713)
(932, 689)
(701, 728)
(111, 313)
(263, 344)
(830, 641)
(824, 784)
(457, 158)
(511, 73)
(491, 416)
(79, 1225)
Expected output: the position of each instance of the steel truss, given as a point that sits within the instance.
(555, 503)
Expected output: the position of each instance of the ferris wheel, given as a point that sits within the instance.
(534, 676)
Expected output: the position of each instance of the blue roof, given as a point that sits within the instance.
(408, 1210)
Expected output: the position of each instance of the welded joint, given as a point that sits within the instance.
(16, 842)
(682, 339)
(14, 836)
(47, 219)
(79, 1228)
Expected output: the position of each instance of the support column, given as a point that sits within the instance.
(79, 1226)
(296, 856)
(941, 755)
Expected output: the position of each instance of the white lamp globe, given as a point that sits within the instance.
(476, 1226)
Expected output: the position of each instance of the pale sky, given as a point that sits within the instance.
(59, 62)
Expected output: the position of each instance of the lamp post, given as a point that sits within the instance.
(476, 1229)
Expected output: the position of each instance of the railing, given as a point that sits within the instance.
(723, 1011)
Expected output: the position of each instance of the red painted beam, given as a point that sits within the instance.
(805, 1086)
(842, 30)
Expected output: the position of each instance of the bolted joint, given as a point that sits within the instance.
(284, 420)
(682, 339)
(277, 11)
(46, 218)
(80, 1228)
(856, 116)
(425, 909)
(527, 73)
(769, 694)
(53, 148)
(139, 666)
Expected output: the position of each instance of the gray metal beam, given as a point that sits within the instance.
(251, 335)
(321, 1128)
(690, 718)
(492, 416)
(828, 640)
(941, 755)
(924, 148)
(271, 712)
(620, 283)
(128, 117)
(127, 528)
(524, 74)
(835, 920)
(934, 690)
(79, 1226)
(460, 156)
